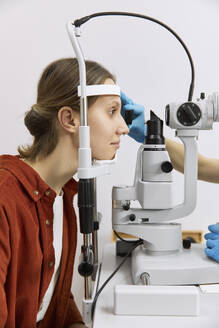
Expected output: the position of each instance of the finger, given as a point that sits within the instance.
(211, 252)
(125, 100)
(211, 235)
(211, 243)
(214, 228)
(129, 107)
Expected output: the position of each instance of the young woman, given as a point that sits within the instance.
(38, 231)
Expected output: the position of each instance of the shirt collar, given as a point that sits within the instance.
(31, 180)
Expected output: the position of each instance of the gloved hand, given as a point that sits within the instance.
(212, 243)
(137, 130)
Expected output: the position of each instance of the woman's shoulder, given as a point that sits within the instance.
(8, 184)
(9, 174)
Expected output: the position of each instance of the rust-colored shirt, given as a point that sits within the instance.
(26, 248)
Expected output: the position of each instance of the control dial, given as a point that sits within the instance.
(166, 167)
(188, 114)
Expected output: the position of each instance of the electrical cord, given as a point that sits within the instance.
(136, 244)
(79, 22)
(125, 241)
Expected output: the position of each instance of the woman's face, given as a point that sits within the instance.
(106, 126)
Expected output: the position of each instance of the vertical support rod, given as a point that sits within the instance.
(95, 232)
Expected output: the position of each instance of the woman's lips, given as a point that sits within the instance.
(116, 144)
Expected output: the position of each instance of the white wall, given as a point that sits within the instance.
(150, 65)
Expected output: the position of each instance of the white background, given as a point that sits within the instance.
(150, 64)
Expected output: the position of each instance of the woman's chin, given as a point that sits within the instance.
(105, 158)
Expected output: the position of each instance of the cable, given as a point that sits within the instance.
(138, 243)
(125, 241)
(81, 21)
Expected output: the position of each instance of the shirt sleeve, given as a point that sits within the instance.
(5, 255)
(72, 315)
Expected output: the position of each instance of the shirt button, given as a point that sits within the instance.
(51, 264)
(48, 192)
(47, 222)
(36, 192)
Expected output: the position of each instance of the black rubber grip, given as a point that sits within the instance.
(86, 205)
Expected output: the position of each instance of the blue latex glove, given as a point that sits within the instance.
(212, 243)
(137, 130)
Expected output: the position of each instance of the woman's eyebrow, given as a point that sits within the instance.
(115, 103)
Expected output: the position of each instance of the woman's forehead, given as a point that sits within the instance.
(110, 100)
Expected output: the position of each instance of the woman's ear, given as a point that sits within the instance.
(69, 119)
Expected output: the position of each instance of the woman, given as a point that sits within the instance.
(38, 229)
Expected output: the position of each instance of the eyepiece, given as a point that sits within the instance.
(155, 130)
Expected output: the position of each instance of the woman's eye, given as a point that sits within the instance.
(112, 111)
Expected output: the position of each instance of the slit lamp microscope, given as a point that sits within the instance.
(161, 259)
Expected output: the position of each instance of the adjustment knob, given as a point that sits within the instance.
(202, 95)
(188, 114)
(132, 217)
(187, 242)
(166, 167)
(85, 269)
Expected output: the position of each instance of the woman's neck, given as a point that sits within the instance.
(57, 168)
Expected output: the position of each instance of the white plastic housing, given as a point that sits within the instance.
(151, 165)
(186, 267)
(156, 300)
(209, 113)
(157, 195)
(158, 237)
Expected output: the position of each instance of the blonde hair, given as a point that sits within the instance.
(57, 87)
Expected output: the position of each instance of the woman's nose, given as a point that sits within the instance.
(123, 128)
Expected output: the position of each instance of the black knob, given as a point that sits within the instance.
(132, 217)
(188, 114)
(85, 269)
(166, 167)
(126, 207)
(202, 95)
(187, 242)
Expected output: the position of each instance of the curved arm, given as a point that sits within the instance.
(190, 182)
(82, 72)
(79, 22)
(84, 152)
